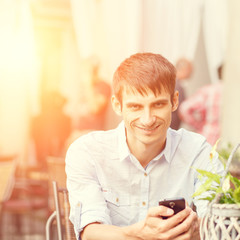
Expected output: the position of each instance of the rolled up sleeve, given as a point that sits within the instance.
(85, 194)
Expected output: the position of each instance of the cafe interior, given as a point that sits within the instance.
(54, 55)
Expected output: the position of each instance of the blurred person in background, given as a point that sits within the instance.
(184, 70)
(201, 111)
(98, 95)
(51, 128)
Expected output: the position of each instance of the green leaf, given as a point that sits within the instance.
(227, 199)
(208, 198)
(223, 160)
(207, 186)
(236, 195)
(219, 190)
(213, 183)
(214, 176)
(226, 184)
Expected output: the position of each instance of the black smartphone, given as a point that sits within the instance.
(177, 204)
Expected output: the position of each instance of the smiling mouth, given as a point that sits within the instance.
(148, 129)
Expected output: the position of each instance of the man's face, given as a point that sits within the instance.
(147, 117)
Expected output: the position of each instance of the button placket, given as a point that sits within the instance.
(144, 195)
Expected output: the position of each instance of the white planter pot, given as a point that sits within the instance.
(222, 222)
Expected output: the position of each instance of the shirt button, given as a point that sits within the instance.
(145, 174)
(143, 203)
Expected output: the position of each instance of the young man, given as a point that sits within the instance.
(116, 178)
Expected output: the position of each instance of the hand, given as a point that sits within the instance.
(193, 231)
(179, 226)
(182, 226)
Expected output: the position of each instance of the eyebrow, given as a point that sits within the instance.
(130, 104)
(160, 101)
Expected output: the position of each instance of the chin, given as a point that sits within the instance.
(148, 140)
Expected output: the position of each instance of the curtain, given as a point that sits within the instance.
(112, 29)
(107, 29)
(231, 76)
(18, 81)
(171, 27)
(215, 24)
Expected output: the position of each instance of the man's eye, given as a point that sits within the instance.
(134, 107)
(158, 104)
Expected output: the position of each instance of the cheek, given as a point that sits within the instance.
(164, 112)
(128, 120)
(130, 116)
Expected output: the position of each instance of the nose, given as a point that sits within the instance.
(147, 117)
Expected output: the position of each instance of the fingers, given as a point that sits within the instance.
(160, 211)
(154, 219)
(179, 226)
(193, 232)
(185, 228)
(179, 217)
(173, 220)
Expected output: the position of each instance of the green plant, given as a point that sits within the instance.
(225, 151)
(225, 186)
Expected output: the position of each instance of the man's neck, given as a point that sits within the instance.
(145, 153)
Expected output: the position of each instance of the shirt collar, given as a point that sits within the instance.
(122, 140)
(172, 142)
(167, 153)
(167, 150)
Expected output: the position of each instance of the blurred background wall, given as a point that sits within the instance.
(230, 117)
(52, 45)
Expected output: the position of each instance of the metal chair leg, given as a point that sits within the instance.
(58, 210)
(48, 225)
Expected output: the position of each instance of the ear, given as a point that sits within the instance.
(116, 105)
(175, 101)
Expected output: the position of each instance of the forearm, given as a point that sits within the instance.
(97, 231)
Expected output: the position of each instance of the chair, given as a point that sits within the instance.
(20, 200)
(65, 228)
(55, 172)
(7, 173)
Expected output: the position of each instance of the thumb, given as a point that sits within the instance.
(160, 211)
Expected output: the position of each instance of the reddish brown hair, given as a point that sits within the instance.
(143, 71)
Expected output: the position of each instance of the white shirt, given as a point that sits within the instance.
(107, 184)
